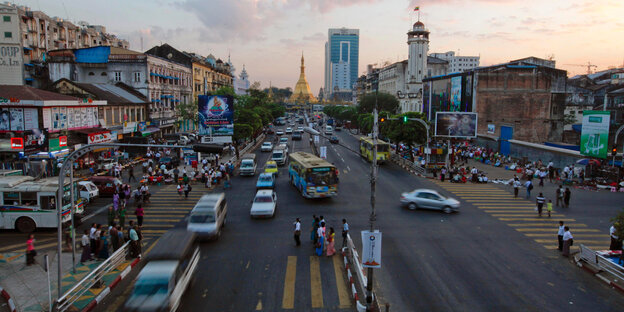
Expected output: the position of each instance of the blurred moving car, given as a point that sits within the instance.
(289, 130)
(208, 216)
(271, 168)
(333, 140)
(264, 204)
(297, 136)
(428, 199)
(279, 132)
(266, 147)
(265, 181)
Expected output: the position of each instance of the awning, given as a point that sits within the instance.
(27, 48)
(149, 131)
(29, 79)
(89, 130)
(29, 65)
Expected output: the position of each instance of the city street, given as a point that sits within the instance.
(471, 260)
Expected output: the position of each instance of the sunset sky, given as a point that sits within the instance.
(269, 36)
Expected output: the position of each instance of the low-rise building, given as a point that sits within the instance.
(458, 63)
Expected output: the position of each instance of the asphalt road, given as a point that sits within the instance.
(468, 261)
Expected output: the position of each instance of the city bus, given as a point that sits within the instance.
(27, 204)
(366, 150)
(312, 176)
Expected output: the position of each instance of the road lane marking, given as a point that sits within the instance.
(315, 282)
(554, 221)
(580, 241)
(554, 230)
(527, 214)
(161, 220)
(156, 225)
(288, 301)
(153, 231)
(543, 224)
(576, 235)
(343, 294)
(511, 211)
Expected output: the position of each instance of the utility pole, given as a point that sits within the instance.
(373, 216)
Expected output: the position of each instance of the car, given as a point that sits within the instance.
(271, 168)
(88, 190)
(265, 181)
(297, 136)
(266, 147)
(338, 128)
(429, 199)
(289, 130)
(263, 205)
(283, 141)
(107, 164)
(333, 140)
(283, 146)
(279, 132)
(270, 131)
(292, 124)
(107, 185)
(300, 129)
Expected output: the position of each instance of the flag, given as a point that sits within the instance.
(417, 8)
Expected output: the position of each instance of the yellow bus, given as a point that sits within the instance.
(366, 150)
(312, 176)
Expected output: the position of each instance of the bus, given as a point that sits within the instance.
(313, 176)
(27, 204)
(366, 150)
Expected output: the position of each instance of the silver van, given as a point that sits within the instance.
(208, 216)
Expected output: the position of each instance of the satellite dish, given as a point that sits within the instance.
(169, 56)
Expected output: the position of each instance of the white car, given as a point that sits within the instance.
(283, 141)
(88, 190)
(279, 132)
(264, 204)
(289, 130)
(300, 129)
(429, 199)
(266, 147)
(283, 146)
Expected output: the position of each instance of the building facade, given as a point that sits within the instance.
(341, 61)
(11, 54)
(241, 83)
(458, 63)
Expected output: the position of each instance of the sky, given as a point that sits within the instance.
(268, 36)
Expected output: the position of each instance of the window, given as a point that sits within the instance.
(6, 18)
(8, 34)
(117, 76)
(137, 76)
(91, 74)
(11, 198)
(104, 74)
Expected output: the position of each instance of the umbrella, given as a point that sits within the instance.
(587, 161)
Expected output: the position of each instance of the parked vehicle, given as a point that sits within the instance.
(106, 184)
(265, 181)
(248, 165)
(208, 217)
(264, 204)
(170, 267)
(428, 199)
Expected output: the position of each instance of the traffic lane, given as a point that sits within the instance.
(451, 250)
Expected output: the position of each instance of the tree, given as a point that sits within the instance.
(187, 111)
(365, 122)
(225, 91)
(242, 132)
(410, 133)
(385, 102)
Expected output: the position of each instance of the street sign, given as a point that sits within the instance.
(371, 249)
(316, 139)
(323, 152)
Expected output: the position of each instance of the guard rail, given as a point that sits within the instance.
(601, 262)
(354, 259)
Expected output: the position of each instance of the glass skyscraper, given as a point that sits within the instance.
(341, 60)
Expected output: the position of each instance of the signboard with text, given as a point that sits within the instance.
(100, 137)
(11, 62)
(57, 144)
(371, 249)
(595, 133)
(216, 115)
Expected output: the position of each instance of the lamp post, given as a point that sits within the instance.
(373, 182)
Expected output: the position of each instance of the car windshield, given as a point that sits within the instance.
(202, 218)
(283, 140)
(272, 166)
(263, 199)
(383, 148)
(319, 178)
(265, 179)
(267, 144)
(151, 287)
(276, 155)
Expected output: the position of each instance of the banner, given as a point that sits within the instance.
(100, 137)
(5, 119)
(57, 144)
(35, 141)
(456, 125)
(371, 249)
(216, 115)
(595, 133)
(491, 128)
(456, 94)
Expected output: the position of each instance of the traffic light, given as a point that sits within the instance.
(382, 119)
(614, 151)
(404, 119)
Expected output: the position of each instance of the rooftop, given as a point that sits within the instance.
(27, 93)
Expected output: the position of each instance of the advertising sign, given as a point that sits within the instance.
(595, 133)
(17, 143)
(58, 144)
(323, 152)
(100, 137)
(371, 249)
(491, 128)
(216, 115)
(35, 141)
(129, 127)
(456, 94)
(11, 62)
(456, 125)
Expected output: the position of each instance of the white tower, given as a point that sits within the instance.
(418, 42)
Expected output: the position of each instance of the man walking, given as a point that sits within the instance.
(566, 197)
(529, 186)
(131, 174)
(516, 186)
(559, 196)
(539, 200)
(614, 239)
(297, 232)
(560, 235)
(345, 231)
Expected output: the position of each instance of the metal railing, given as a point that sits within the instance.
(354, 259)
(407, 164)
(94, 278)
(601, 262)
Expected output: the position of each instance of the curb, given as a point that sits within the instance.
(350, 276)
(8, 298)
(108, 289)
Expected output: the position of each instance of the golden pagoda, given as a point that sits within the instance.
(302, 93)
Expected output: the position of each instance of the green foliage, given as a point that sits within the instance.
(225, 91)
(410, 133)
(187, 111)
(618, 223)
(242, 131)
(365, 122)
(385, 102)
(279, 95)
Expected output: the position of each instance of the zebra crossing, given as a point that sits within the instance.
(519, 214)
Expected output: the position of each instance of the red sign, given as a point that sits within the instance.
(17, 143)
(100, 137)
(62, 141)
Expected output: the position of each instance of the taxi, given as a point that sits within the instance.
(271, 167)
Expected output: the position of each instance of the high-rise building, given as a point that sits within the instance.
(458, 63)
(341, 62)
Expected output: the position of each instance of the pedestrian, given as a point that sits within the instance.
(566, 197)
(549, 207)
(116, 200)
(98, 242)
(539, 200)
(134, 242)
(559, 195)
(139, 214)
(516, 186)
(111, 215)
(542, 176)
(297, 233)
(122, 216)
(180, 189)
(345, 232)
(320, 239)
(331, 249)
(122, 196)
(442, 174)
(568, 241)
(114, 237)
(131, 174)
(86, 249)
(176, 174)
(92, 238)
(313, 229)
(529, 186)
(103, 254)
(30, 249)
(227, 184)
(616, 244)
(187, 190)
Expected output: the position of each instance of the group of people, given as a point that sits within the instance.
(99, 241)
(565, 239)
(324, 240)
(461, 174)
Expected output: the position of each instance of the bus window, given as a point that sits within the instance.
(11, 198)
(48, 202)
(29, 198)
(382, 148)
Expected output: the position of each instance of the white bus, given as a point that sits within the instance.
(27, 204)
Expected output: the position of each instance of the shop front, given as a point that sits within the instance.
(166, 125)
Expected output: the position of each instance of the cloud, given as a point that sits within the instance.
(315, 37)
(155, 35)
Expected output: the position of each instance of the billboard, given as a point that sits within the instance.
(595, 133)
(460, 125)
(216, 115)
(456, 88)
